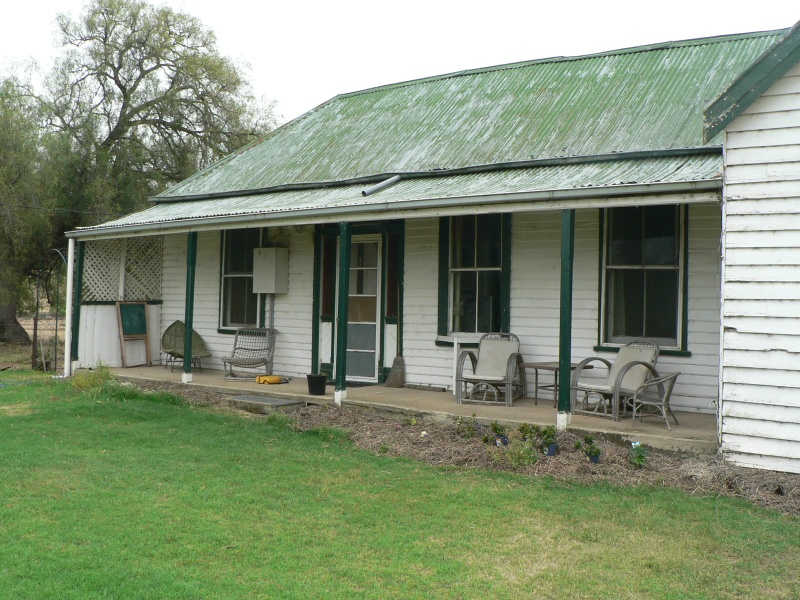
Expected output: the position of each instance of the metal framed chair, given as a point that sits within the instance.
(652, 397)
(253, 347)
(625, 375)
(497, 372)
(172, 342)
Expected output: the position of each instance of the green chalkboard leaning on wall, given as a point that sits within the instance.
(132, 318)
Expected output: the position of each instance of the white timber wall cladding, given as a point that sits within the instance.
(535, 292)
(292, 310)
(760, 408)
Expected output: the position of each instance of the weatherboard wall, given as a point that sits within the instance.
(292, 310)
(535, 281)
(760, 380)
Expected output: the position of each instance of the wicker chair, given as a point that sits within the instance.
(253, 347)
(626, 374)
(497, 372)
(172, 346)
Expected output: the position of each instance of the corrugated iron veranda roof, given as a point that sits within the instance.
(485, 132)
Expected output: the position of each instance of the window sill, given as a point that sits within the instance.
(661, 352)
(466, 340)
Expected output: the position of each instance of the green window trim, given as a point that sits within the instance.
(443, 327)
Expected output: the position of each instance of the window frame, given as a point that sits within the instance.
(222, 326)
(444, 332)
(681, 346)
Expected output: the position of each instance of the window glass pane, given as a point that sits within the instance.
(660, 243)
(360, 364)
(661, 315)
(241, 303)
(364, 281)
(489, 301)
(239, 246)
(625, 304)
(625, 236)
(489, 241)
(362, 309)
(464, 301)
(364, 255)
(462, 242)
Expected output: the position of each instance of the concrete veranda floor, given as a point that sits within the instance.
(697, 432)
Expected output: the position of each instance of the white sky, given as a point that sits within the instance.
(303, 53)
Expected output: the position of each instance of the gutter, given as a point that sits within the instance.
(512, 202)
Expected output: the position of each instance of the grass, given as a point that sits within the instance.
(110, 493)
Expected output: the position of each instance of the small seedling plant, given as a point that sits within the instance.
(637, 455)
(591, 449)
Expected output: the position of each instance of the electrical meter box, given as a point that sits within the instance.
(270, 270)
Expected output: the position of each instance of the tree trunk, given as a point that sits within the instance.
(10, 329)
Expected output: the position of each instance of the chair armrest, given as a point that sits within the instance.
(514, 365)
(462, 358)
(666, 383)
(577, 372)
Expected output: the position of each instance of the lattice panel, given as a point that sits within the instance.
(143, 268)
(101, 270)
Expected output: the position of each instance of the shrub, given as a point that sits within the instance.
(467, 427)
(517, 453)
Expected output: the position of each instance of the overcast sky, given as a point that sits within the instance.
(302, 53)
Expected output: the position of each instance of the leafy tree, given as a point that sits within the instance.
(139, 100)
(24, 228)
(146, 100)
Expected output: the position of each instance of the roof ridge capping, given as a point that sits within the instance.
(752, 83)
(717, 39)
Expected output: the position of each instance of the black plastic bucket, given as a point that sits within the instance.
(316, 385)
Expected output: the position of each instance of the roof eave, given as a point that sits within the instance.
(752, 83)
(513, 202)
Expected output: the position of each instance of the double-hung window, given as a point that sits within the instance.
(474, 272)
(239, 305)
(643, 275)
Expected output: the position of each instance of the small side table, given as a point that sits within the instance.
(551, 366)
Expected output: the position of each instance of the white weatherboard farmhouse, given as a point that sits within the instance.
(664, 180)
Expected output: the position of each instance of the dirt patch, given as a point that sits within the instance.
(445, 442)
(16, 410)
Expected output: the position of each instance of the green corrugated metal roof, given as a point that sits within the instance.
(609, 124)
(647, 98)
(602, 178)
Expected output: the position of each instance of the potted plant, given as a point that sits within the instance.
(548, 437)
(500, 433)
(590, 448)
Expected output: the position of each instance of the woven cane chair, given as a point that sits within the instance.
(172, 346)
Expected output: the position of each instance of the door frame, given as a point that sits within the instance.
(326, 237)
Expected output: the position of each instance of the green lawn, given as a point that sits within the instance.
(108, 493)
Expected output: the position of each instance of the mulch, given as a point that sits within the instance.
(442, 442)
